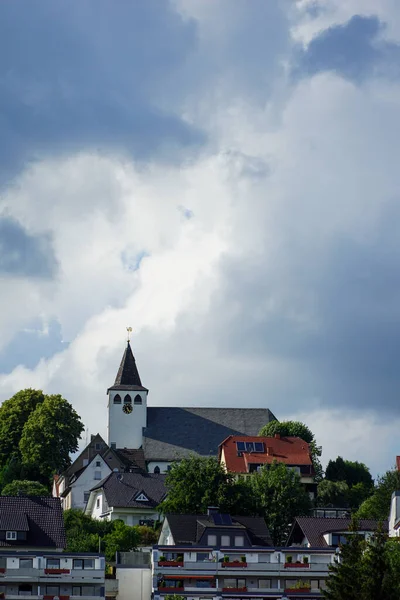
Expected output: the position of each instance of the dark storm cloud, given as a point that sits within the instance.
(352, 50)
(92, 74)
(24, 255)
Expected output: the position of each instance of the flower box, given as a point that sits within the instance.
(2, 570)
(298, 591)
(234, 590)
(170, 563)
(170, 590)
(56, 571)
(297, 565)
(235, 564)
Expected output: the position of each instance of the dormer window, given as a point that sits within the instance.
(11, 535)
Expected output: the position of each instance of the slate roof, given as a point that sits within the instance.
(132, 459)
(188, 529)
(289, 450)
(128, 375)
(173, 432)
(121, 489)
(42, 516)
(314, 528)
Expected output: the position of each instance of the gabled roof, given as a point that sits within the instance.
(291, 451)
(122, 489)
(128, 375)
(40, 517)
(188, 529)
(174, 432)
(314, 528)
(131, 459)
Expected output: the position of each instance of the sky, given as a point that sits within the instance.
(223, 178)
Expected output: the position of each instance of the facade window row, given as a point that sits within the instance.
(128, 399)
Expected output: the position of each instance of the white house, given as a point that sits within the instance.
(394, 517)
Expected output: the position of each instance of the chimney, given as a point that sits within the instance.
(212, 510)
(277, 436)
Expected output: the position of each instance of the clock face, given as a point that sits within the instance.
(127, 408)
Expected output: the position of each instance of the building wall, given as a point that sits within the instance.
(126, 430)
(163, 466)
(134, 584)
(87, 480)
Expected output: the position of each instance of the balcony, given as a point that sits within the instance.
(170, 590)
(57, 571)
(170, 563)
(297, 565)
(229, 590)
(299, 591)
(52, 597)
(235, 564)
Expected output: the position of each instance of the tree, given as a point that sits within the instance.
(197, 482)
(147, 535)
(346, 574)
(378, 580)
(49, 435)
(297, 429)
(333, 493)
(14, 413)
(122, 538)
(25, 488)
(352, 472)
(279, 497)
(377, 506)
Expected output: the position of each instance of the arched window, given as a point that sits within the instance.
(117, 399)
(127, 399)
(138, 399)
(157, 470)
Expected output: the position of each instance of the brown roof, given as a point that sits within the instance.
(314, 528)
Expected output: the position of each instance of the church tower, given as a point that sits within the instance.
(127, 405)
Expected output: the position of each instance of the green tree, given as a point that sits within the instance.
(345, 579)
(296, 429)
(352, 472)
(25, 488)
(333, 493)
(279, 497)
(197, 482)
(377, 506)
(49, 435)
(174, 597)
(14, 414)
(147, 535)
(379, 582)
(122, 538)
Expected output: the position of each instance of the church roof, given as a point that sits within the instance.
(174, 432)
(128, 377)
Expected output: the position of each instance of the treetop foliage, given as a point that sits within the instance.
(25, 488)
(352, 472)
(287, 429)
(377, 506)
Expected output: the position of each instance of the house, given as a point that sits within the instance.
(132, 497)
(245, 454)
(92, 465)
(317, 532)
(164, 434)
(219, 556)
(33, 563)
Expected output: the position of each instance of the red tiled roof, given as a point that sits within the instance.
(289, 450)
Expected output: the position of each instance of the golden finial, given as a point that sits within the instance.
(129, 330)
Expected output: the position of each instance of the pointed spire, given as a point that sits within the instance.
(128, 377)
(127, 372)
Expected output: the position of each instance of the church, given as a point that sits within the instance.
(157, 436)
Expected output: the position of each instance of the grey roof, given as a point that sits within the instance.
(122, 489)
(131, 459)
(314, 528)
(13, 521)
(174, 432)
(128, 377)
(42, 515)
(188, 529)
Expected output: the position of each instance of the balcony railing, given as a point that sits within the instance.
(297, 565)
(231, 590)
(169, 590)
(57, 571)
(170, 563)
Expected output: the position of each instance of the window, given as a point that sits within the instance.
(203, 583)
(25, 563)
(53, 563)
(258, 446)
(127, 399)
(211, 540)
(264, 558)
(77, 563)
(138, 399)
(98, 463)
(88, 590)
(97, 446)
(235, 583)
(97, 475)
(117, 399)
(264, 583)
(202, 557)
(98, 503)
(157, 470)
(24, 589)
(113, 445)
(52, 590)
(88, 563)
(11, 535)
(225, 540)
(339, 538)
(239, 540)
(76, 590)
(83, 563)
(86, 496)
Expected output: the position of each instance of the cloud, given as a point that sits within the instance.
(22, 254)
(352, 50)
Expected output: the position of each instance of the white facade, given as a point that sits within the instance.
(98, 508)
(125, 427)
(162, 466)
(80, 488)
(394, 517)
(134, 583)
